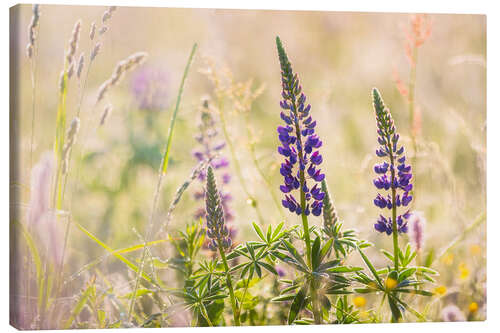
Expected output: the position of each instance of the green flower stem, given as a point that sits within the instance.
(236, 163)
(394, 222)
(394, 208)
(305, 225)
(229, 282)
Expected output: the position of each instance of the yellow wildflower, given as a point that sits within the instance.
(441, 290)
(448, 259)
(464, 271)
(473, 307)
(359, 301)
(475, 249)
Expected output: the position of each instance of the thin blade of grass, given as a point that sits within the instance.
(111, 251)
(59, 141)
(180, 191)
(176, 110)
(163, 169)
(79, 306)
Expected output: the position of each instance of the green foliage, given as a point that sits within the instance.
(395, 283)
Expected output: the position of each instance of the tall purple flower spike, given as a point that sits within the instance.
(393, 175)
(299, 145)
(208, 148)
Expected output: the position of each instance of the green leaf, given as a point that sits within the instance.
(250, 250)
(414, 291)
(406, 273)
(326, 248)
(370, 266)
(297, 304)
(214, 311)
(140, 292)
(277, 230)
(316, 253)
(215, 297)
(293, 251)
(283, 298)
(365, 290)
(259, 231)
(258, 270)
(338, 292)
(387, 254)
(268, 267)
(291, 288)
(344, 269)
(408, 251)
(329, 264)
(427, 270)
(396, 312)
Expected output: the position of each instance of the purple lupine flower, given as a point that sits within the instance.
(149, 86)
(211, 150)
(416, 230)
(299, 145)
(393, 175)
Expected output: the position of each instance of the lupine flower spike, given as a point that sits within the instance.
(416, 232)
(299, 145)
(329, 214)
(210, 149)
(393, 175)
(217, 231)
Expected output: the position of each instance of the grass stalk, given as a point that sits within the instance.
(163, 170)
(59, 141)
(33, 69)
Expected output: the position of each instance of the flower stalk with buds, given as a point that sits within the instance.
(299, 146)
(218, 233)
(394, 175)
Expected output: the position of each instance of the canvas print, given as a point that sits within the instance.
(218, 167)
